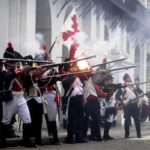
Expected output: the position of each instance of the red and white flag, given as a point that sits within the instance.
(68, 31)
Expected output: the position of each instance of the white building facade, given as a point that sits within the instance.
(22, 19)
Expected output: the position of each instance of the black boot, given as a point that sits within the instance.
(53, 128)
(3, 133)
(26, 136)
(126, 127)
(11, 132)
(107, 127)
(48, 125)
(138, 128)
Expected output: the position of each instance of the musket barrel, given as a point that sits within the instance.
(116, 69)
(105, 63)
(133, 100)
(68, 74)
(72, 61)
(24, 60)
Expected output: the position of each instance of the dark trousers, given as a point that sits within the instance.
(52, 129)
(92, 109)
(107, 127)
(3, 133)
(36, 112)
(132, 111)
(1, 109)
(1, 115)
(75, 118)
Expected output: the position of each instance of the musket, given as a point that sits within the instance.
(24, 60)
(63, 63)
(139, 83)
(116, 69)
(105, 63)
(62, 75)
(133, 100)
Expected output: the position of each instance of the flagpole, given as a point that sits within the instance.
(52, 46)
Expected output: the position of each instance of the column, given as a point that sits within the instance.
(14, 13)
(143, 65)
(4, 21)
(93, 24)
(30, 26)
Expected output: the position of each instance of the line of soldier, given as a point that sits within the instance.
(86, 97)
(15, 83)
(95, 96)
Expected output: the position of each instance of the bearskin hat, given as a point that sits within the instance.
(126, 76)
(11, 53)
(108, 77)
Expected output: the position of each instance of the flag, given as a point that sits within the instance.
(68, 31)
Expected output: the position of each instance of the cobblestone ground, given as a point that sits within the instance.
(119, 143)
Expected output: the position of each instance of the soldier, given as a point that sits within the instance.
(1, 90)
(108, 104)
(107, 101)
(6, 78)
(34, 102)
(75, 109)
(51, 95)
(92, 109)
(17, 105)
(1, 99)
(131, 109)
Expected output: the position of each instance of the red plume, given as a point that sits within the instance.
(73, 50)
(104, 60)
(9, 45)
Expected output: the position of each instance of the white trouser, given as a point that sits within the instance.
(17, 105)
(52, 106)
